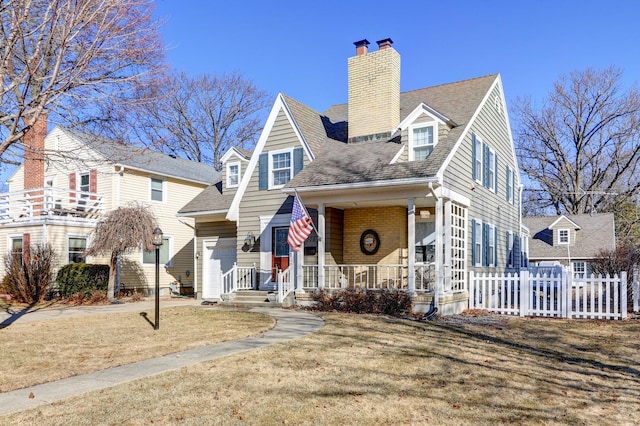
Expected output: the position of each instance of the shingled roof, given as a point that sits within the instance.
(210, 200)
(596, 232)
(147, 160)
(340, 163)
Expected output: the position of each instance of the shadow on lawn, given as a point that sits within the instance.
(15, 315)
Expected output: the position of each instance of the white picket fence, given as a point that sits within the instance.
(561, 295)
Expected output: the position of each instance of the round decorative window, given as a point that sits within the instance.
(369, 242)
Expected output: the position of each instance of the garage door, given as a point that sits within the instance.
(219, 257)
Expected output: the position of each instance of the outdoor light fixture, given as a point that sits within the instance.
(250, 239)
(425, 214)
(157, 242)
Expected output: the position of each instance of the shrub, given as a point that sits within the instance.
(136, 297)
(82, 278)
(355, 300)
(98, 297)
(29, 274)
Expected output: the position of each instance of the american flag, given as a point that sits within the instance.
(300, 226)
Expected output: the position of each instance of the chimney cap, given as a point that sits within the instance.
(362, 43)
(384, 43)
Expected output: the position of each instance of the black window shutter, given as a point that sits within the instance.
(263, 171)
(496, 172)
(485, 165)
(485, 244)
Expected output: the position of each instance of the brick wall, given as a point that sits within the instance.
(374, 92)
(391, 225)
(34, 154)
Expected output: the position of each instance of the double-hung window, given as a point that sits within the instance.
(281, 168)
(491, 245)
(422, 139)
(233, 175)
(477, 158)
(563, 236)
(157, 189)
(85, 187)
(510, 185)
(77, 246)
(491, 172)
(16, 247)
(477, 242)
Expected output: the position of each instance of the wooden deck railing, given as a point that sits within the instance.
(31, 204)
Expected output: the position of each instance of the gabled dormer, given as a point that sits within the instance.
(421, 131)
(563, 231)
(234, 164)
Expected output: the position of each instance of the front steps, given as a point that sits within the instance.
(250, 298)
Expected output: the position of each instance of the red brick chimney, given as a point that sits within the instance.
(361, 47)
(33, 141)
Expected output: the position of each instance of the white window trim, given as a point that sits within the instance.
(492, 168)
(509, 185)
(164, 189)
(568, 236)
(479, 159)
(86, 238)
(492, 246)
(83, 194)
(478, 242)
(421, 126)
(229, 165)
(510, 258)
(153, 264)
(270, 166)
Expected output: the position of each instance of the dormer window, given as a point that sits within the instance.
(422, 139)
(233, 174)
(563, 236)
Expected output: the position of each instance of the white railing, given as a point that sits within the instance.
(372, 277)
(554, 295)
(285, 284)
(49, 202)
(238, 278)
(425, 276)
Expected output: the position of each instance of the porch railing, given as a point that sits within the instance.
(372, 277)
(22, 206)
(238, 278)
(285, 283)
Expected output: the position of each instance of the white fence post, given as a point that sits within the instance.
(525, 292)
(472, 290)
(623, 298)
(566, 290)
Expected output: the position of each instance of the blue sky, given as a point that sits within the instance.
(300, 48)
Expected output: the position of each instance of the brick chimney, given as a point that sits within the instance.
(34, 153)
(374, 91)
(33, 141)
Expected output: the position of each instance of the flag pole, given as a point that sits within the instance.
(307, 213)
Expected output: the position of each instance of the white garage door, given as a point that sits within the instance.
(219, 256)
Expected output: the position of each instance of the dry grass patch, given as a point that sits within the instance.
(39, 352)
(379, 370)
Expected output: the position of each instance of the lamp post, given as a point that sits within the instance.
(157, 242)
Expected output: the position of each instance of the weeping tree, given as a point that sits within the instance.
(123, 230)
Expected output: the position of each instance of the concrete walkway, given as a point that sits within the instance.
(290, 324)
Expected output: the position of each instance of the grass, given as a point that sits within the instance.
(380, 370)
(39, 352)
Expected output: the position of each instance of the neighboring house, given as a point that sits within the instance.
(70, 179)
(570, 240)
(409, 190)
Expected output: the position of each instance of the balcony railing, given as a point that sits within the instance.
(32, 204)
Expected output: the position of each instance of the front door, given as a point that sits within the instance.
(280, 251)
(219, 257)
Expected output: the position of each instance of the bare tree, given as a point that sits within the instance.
(581, 149)
(198, 118)
(69, 57)
(122, 231)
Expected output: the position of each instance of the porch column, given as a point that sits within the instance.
(447, 246)
(321, 248)
(438, 260)
(299, 275)
(411, 243)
